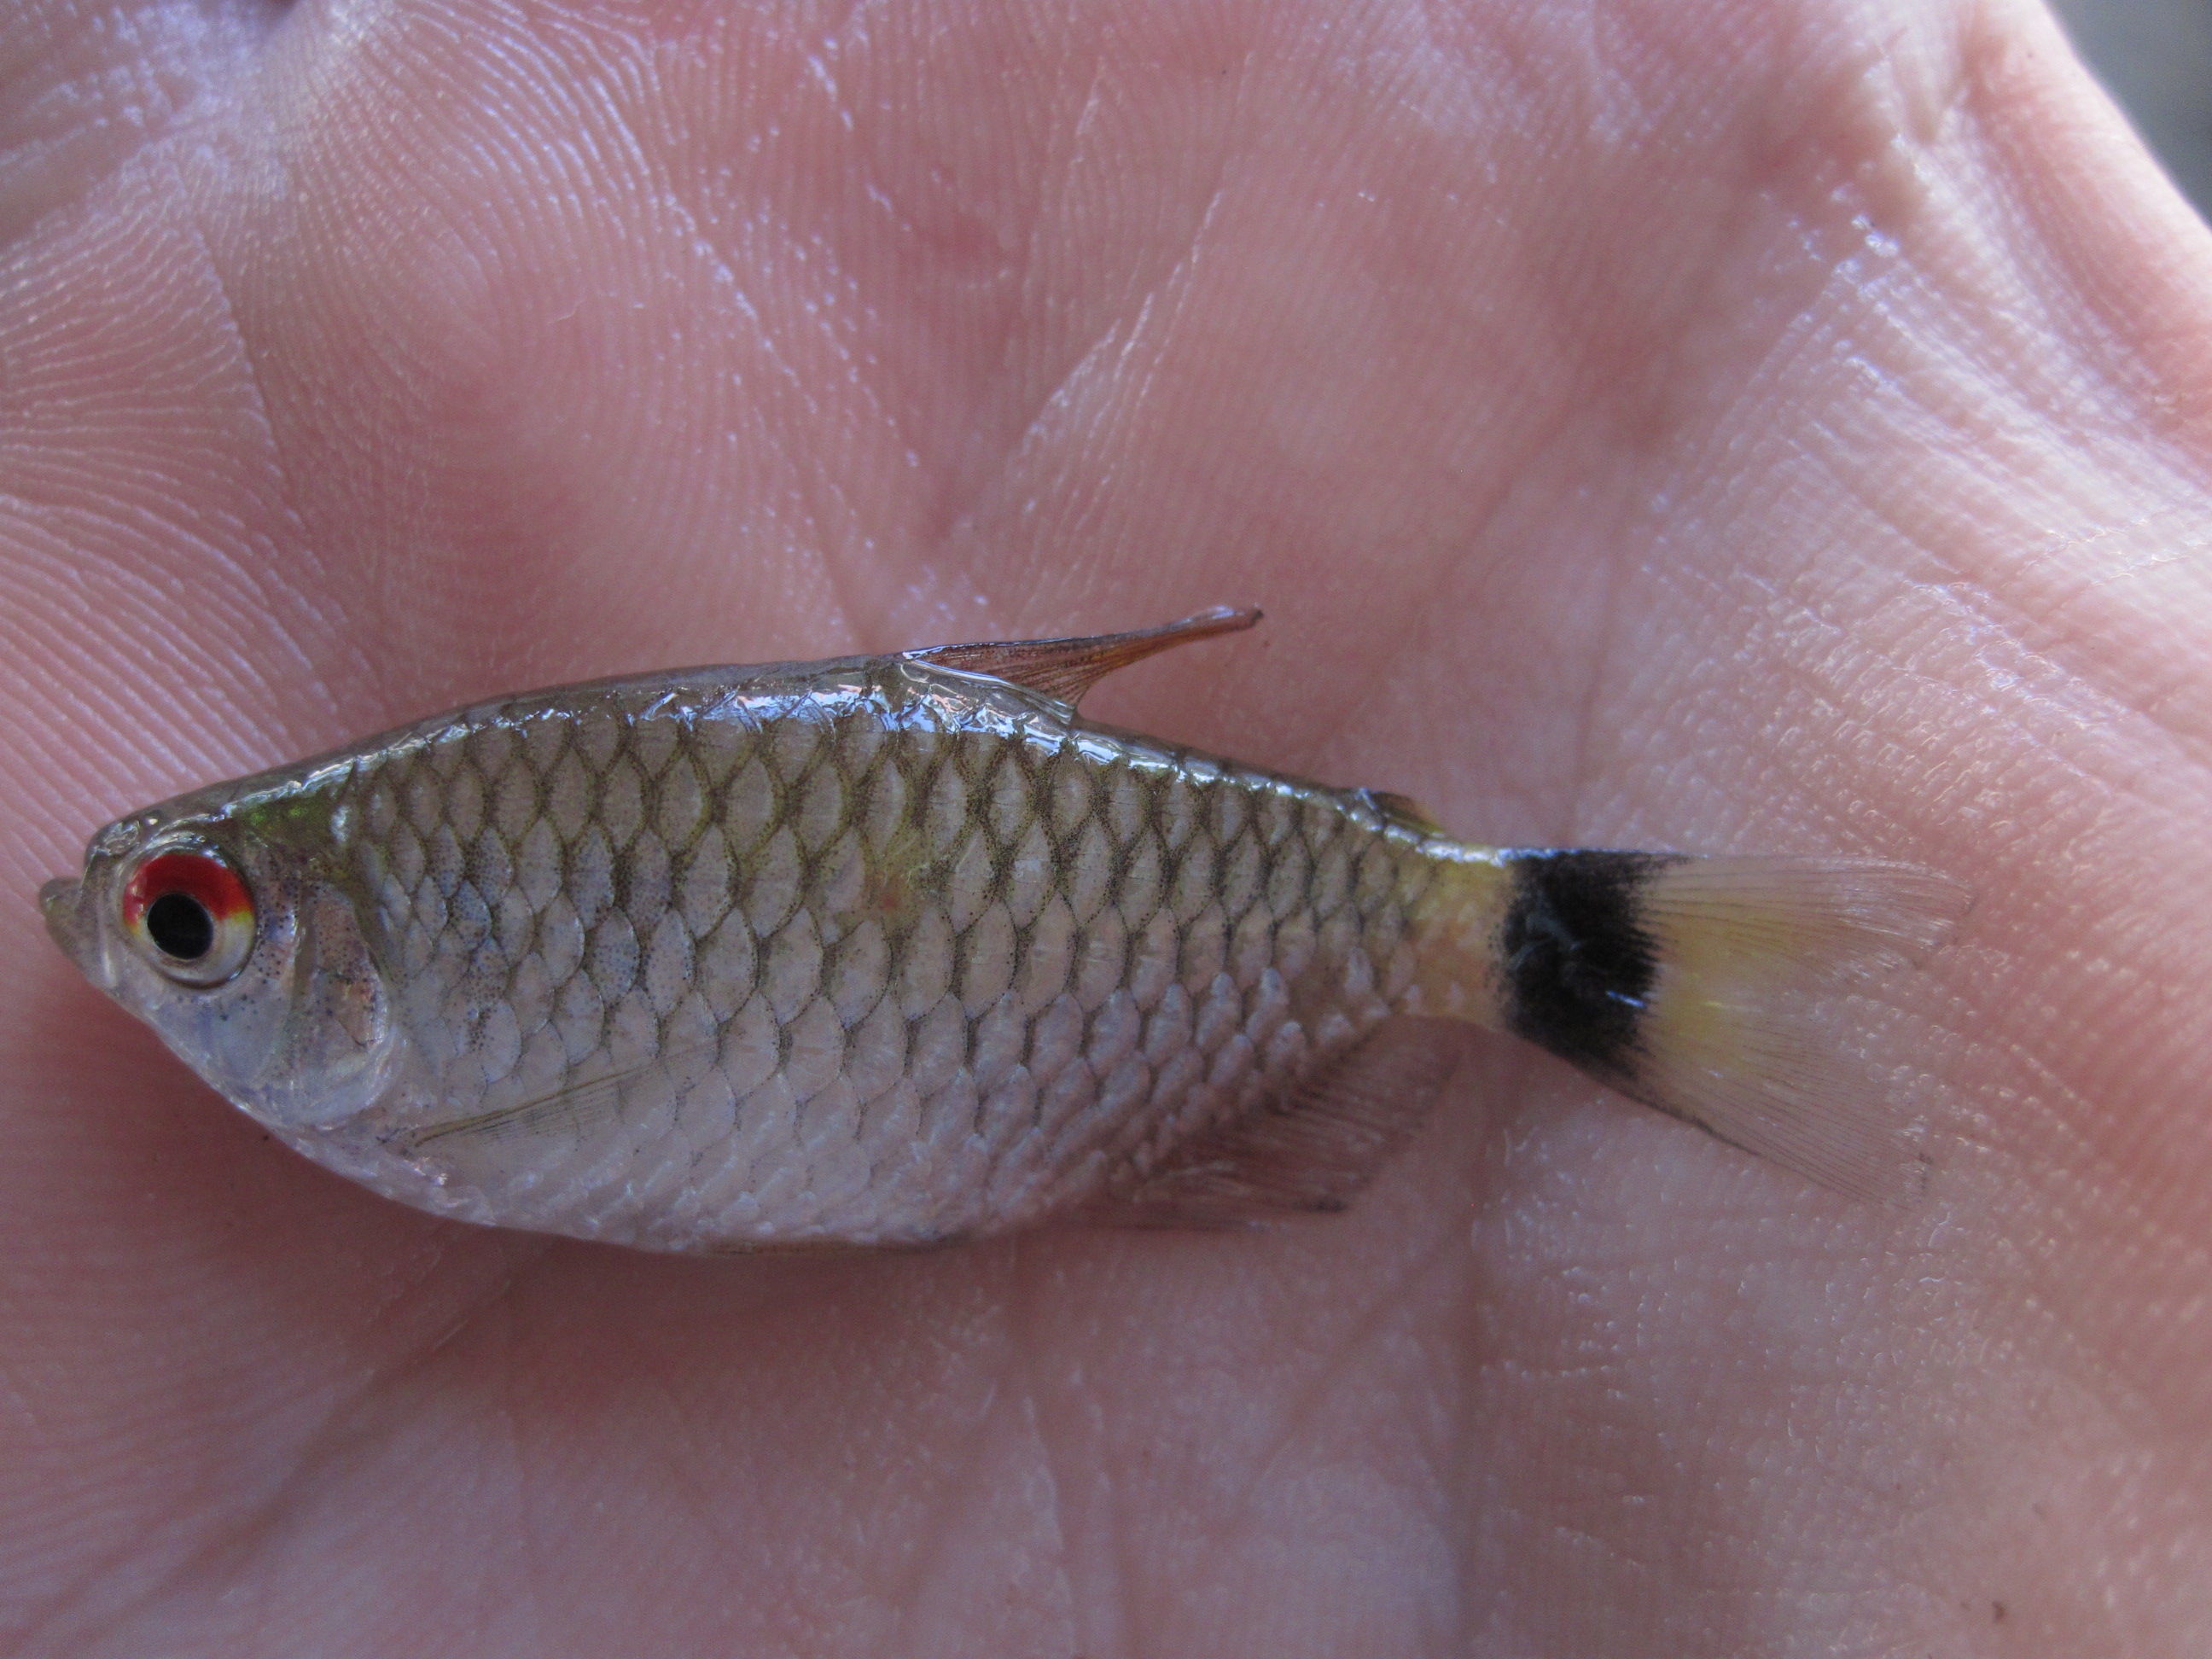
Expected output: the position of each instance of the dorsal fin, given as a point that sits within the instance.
(1068, 668)
(1311, 1151)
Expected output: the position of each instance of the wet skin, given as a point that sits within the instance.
(1727, 426)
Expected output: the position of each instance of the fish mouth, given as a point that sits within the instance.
(61, 901)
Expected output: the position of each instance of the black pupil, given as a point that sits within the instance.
(180, 926)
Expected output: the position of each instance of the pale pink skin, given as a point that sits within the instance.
(1774, 425)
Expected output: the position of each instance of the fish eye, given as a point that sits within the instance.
(189, 913)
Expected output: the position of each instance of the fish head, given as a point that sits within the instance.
(223, 920)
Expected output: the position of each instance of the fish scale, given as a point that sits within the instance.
(748, 854)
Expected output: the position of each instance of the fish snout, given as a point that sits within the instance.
(62, 903)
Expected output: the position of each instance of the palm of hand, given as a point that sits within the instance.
(1715, 425)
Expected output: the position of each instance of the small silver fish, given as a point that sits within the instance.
(896, 949)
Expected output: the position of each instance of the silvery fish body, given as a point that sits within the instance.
(882, 950)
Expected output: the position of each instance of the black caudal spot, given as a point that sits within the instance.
(180, 926)
(1579, 962)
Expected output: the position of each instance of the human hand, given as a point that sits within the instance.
(1759, 425)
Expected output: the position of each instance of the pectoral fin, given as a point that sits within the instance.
(1068, 668)
(579, 1107)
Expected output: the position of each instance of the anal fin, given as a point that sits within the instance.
(1068, 668)
(1310, 1151)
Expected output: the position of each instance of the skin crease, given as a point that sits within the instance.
(1756, 425)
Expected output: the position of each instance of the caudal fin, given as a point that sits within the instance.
(1717, 989)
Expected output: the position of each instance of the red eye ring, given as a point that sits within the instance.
(190, 913)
